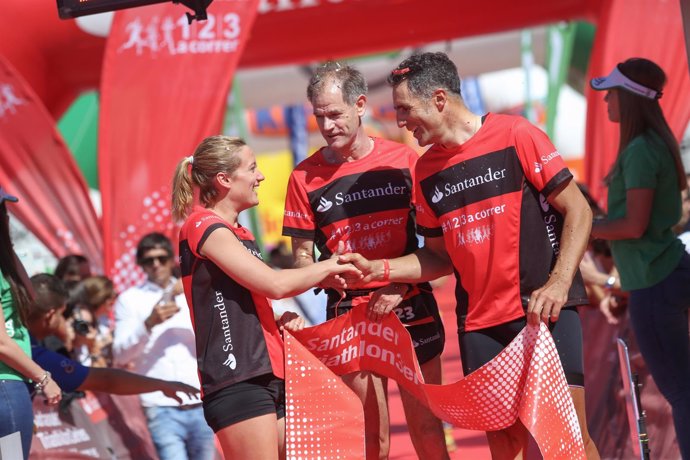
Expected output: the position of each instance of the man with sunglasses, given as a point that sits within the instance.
(154, 336)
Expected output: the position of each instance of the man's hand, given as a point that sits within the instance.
(546, 302)
(384, 300)
(291, 321)
(161, 313)
(337, 282)
(366, 267)
(170, 389)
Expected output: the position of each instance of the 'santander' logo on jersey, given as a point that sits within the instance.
(324, 204)
(366, 193)
(228, 346)
(341, 198)
(468, 183)
(438, 195)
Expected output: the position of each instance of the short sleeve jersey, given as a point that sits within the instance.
(67, 373)
(14, 328)
(646, 163)
(237, 337)
(366, 203)
(487, 199)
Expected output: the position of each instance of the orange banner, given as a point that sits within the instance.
(524, 381)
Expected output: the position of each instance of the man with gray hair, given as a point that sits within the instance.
(330, 204)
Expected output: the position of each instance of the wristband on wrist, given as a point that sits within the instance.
(386, 270)
(40, 384)
(610, 282)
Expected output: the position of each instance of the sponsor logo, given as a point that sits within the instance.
(438, 195)
(546, 158)
(198, 223)
(543, 202)
(230, 361)
(219, 34)
(469, 182)
(341, 198)
(228, 346)
(9, 101)
(367, 193)
(324, 205)
(477, 235)
(550, 220)
(67, 366)
(538, 167)
(9, 327)
(295, 214)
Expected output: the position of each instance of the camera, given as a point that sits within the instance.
(81, 327)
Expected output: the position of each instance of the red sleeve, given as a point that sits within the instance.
(199, 227)
(543, 165)
(298, 218)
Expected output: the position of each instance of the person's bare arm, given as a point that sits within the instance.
(13, 356)
(121, 382)
(425, 264)
(547, 301)
(303, 254)
(637, 211)
(225, 250)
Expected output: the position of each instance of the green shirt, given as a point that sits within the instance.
(647, 163)
(14, 327)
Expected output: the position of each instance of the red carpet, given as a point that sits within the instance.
(470, 444)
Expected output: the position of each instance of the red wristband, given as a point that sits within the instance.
(386, 270)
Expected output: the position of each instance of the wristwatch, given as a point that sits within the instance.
(610, 282)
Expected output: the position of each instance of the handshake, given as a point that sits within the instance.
(352, 270)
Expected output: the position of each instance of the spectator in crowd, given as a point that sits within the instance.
(644, 203)
(94, 300)
(17, 369)
(239, 347)
(72, 269)
(45, 317)
(319, 215)
(154, 337)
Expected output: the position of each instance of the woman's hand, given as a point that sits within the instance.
(52, 392)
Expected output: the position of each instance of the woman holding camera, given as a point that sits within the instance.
(16, 367)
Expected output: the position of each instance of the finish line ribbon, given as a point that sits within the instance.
(524, 381)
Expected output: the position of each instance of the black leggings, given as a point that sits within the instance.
(481, 346)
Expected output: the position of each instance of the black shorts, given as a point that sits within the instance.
(241, 401)
(419, 315)
(481, 346)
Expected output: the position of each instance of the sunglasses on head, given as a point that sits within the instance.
(148, 261)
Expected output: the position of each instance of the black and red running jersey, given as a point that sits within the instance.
(364, 203)
(486, 198)
(237, 337)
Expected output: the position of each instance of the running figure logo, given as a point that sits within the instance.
(324, 205)
(230, 361)
(8, 100)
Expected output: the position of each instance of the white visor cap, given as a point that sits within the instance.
(616, 79)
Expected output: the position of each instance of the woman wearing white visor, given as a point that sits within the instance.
(644, 202)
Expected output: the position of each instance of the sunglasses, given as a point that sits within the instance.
(148, 261)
